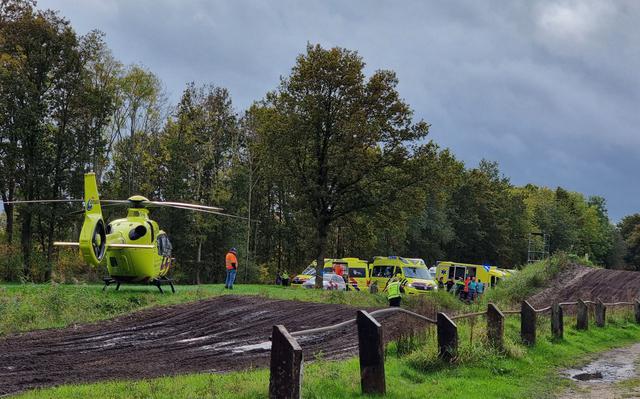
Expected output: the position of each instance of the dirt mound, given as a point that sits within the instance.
(215, 335)
(580, 282)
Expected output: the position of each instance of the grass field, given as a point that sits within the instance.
(518, 373)
(412, 367)
(26, 307)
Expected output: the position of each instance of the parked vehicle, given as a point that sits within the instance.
(488, 275)
(330, 281)
(354, 271)
(414, 273)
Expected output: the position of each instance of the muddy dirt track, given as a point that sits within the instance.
(213, 335)
(580, 282)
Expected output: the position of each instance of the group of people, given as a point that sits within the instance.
(469, 289)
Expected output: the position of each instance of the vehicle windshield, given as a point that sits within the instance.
(417, 272)
(309, 271)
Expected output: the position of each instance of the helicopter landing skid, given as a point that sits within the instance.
(158, 282)
(108, 281)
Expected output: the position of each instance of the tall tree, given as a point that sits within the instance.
(51, 118)
(629, 228)
(339, 139)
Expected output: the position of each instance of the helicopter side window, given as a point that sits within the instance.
(137, 232)
(164, 245)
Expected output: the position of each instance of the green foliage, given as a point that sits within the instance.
(532, 278)
(629, 228)
(10, 263)
(52, 111)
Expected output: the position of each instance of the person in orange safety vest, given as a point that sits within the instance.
(231, 261)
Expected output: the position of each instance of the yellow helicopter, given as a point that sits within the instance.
(134, 249)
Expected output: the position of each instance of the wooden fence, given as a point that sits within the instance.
(286, 355)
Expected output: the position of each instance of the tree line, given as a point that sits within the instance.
(330, 163)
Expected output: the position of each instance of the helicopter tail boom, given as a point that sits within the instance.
(93, 236)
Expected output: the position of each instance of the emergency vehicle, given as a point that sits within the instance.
(489, 275)
(415, 275)
(354, 271)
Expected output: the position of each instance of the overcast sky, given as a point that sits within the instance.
(549, 89)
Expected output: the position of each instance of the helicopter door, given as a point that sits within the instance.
(119, 264)
(164, 246)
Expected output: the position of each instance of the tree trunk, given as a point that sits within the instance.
(199, 265)
(25, 241)
(246, 259)
(8, 210)
(321, 244)
(57, 183)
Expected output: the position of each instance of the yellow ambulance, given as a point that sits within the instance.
(414, 271)
(489, 275)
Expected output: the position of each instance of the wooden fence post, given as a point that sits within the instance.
(371, 348)
(495, 326)
(582, 320)
(447, 337)
(636, 308)
(600, 313)
(557, 322)
(285, 379)
(528, 318)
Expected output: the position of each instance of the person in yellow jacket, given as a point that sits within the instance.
(393, 292)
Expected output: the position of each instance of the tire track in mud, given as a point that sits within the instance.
(215, 335)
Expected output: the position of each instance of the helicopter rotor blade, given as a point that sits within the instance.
(212, 212)
(183, 205)
(43, 201)
(81, 211)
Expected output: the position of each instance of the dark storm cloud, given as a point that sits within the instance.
(549, 89)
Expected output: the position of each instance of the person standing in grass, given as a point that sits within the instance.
(450, 284)
(479, 289)
(285, 279)
(465, 290)
(471, 297)
(231, 260)
(459, 287)
(393, 292)
(278, 278)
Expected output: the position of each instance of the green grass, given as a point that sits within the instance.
(26, 307)
(519, 372)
